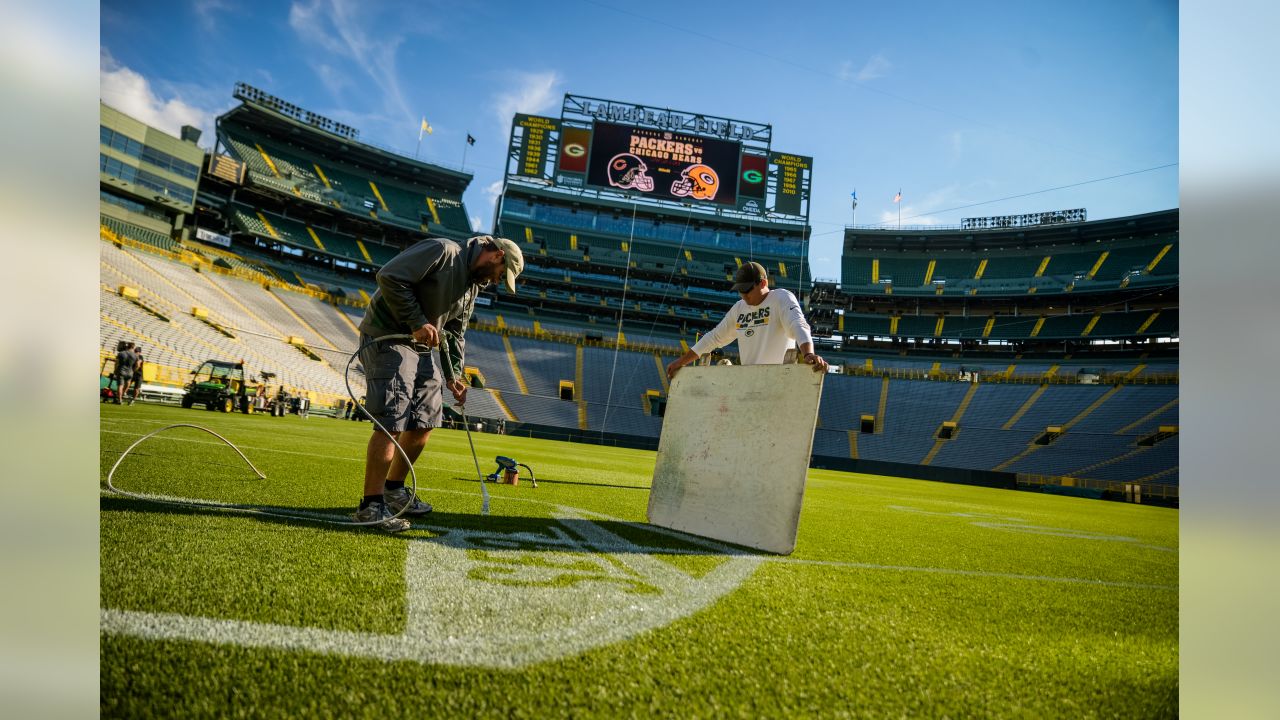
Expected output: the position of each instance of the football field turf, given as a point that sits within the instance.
(902, 598)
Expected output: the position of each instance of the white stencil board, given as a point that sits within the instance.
(734, 453)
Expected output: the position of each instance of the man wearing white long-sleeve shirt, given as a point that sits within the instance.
(766, 323)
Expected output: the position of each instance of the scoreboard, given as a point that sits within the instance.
(791, 172)
(536, 139)
(664, 164)
(606, 147)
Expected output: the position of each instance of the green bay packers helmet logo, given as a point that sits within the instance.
(698, 181)
(753, 176)
(574, 150)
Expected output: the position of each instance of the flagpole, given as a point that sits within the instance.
(422, 128)
(464, 153)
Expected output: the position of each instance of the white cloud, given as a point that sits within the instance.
(344, 29)
(308, 20)
(207, 12)
(132, 94)
(490, 193)
(846, 70)
(877, 67)
(475, 223)
(333, 80)
(532, 93)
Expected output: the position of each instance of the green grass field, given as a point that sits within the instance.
(903, 597)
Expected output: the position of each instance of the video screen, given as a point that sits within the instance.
(664, 164)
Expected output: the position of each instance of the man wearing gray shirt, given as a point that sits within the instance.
(428, 291)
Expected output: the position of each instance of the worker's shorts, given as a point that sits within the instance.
(403, 384)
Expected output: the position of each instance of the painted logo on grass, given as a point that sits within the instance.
(499, 599)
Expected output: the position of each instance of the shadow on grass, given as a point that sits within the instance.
(471, 531)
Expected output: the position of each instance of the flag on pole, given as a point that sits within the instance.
(898, 198)
(470, 140)
(426, 128)
(854, 194)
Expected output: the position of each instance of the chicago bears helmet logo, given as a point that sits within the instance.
(627, 171)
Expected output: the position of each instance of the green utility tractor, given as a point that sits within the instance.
(218, 386)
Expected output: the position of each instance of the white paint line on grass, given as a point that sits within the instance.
(486, 598)
(1070, 533)
(493, 599)
(1014, 524)
(712, 547)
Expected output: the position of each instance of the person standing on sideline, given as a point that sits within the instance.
(766, 323)
(428, 291)
(125, 362)
(137, 372)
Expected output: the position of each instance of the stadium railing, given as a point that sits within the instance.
(1040, 378)
(1147, 489)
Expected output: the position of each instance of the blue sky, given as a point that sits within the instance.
(954, 103)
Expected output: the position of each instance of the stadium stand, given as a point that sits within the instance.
(1139, 251)
(544, 365)
(615, 386)
(176, 289)
(322, 318)
(998, 425)
(542, 410)
(1069, 327)
(140, 234)
(305, 166)
(912, 414)
(482, 404)
(487, 351)
(677, 264)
